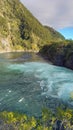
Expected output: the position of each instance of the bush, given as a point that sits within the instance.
(62, 119)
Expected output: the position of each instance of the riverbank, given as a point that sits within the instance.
(9, 51)
(55, 59)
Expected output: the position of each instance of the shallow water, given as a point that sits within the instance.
(27, 82)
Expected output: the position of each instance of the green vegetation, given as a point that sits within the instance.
(60, 53)
(19, 27)
(61, 120)
(56, 35)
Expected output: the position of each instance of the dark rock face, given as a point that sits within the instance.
(59, 53)
(59, 60)
(69, 62)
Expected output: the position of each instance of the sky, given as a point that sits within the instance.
(55, 13)
(67, 32)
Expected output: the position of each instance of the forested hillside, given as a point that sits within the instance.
(19, 29)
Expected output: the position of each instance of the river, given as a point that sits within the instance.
(28, 83)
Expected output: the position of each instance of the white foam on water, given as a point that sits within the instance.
(21, 100)
(42, 84)
(10, 91)
(54, 81)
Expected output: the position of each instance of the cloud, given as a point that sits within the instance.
(55, 13)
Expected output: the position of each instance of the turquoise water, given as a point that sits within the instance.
(28, 83)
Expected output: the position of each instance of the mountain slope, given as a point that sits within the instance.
(55, 34)
(19, 29)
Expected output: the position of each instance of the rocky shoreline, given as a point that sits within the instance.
(59, 54)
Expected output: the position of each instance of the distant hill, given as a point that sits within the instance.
(19, 29)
